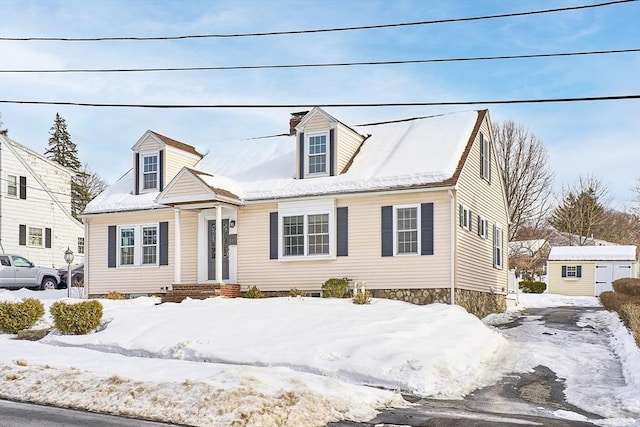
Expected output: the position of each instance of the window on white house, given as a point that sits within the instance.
(317, 154)
(498, 251)
(12, 186)
(81, 245)
(138, 245)
(149, 171)
(318, 233)
(35, 237)
(406, 229)
(483, 227)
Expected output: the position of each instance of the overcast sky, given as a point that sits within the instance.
(583, 138)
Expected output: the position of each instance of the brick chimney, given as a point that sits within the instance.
(294, 120)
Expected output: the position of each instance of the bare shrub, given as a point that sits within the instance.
(627, 286)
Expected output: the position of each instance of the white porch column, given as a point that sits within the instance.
(177, 247)
(219, 244)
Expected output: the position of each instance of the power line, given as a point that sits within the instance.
(330, 105)
(322, 30)
(331, 64)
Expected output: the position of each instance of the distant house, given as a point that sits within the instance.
(589, 270)
(35, 207)
(529, 258)
(413, 209)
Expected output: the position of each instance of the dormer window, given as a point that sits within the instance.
(317, 154)
(150, 171)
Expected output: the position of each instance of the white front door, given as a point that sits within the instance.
(604, 277)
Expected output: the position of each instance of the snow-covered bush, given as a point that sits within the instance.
(18, 316)
(77, 319)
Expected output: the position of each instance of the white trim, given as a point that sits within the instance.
(205, 215)
(177, 246)
(483, 227)
(415, 206)
(17, 185)
(498, 262)
(137, 245)
(42, 235)
(306, 208)
(307, 155)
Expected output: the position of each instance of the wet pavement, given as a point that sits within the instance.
(531, 398)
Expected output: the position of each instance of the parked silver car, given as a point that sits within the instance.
(18, 272)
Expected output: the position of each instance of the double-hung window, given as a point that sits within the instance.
(149, 171)
(138, 245)
(35, 237)
(465, 218)
(317, 154)
(81, 245)
(306, 229)
(12, 186)
(406, 229)
(483, 227)
(498, 242)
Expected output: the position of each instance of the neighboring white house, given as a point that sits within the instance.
(35, 207)
(589, 270)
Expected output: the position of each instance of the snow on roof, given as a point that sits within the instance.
(119, 197)
(416, 152)
(593, 253)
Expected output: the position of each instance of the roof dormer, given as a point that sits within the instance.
(325, 146)
(157, 159)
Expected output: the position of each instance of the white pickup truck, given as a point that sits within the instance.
(18, 272)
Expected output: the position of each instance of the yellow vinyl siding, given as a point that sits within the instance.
(175, 160)
(147, 279)
(347, 143)
(149, 145)
(364, 262)
(474, 254)
(185, 186)
(584, 285)
(317, 123)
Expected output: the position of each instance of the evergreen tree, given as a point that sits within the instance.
(61, 149)
(581, 213)
(3, 131)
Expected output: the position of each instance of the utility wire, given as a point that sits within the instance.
(330, 64)
(331, 105)
(322, 30)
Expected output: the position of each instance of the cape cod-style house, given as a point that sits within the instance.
(413, 209)
(35, 207)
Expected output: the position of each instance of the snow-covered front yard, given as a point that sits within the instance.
(277, 361)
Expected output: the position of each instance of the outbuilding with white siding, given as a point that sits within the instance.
(589, 270)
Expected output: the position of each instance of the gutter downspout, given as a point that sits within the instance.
(453, 245)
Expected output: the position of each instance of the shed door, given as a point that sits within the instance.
(604, 277)
(621, 271)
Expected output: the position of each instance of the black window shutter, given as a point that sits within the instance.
(495, 252)
(47, 238)
(426, 225)
(387, 231)
(332, 152)
(22, 235)
(23, 187)
(564, 271)
(479, 230)
(136, 174)
(273, 235)
(112, 246)
(470, 220)
(164, 243)
(481, 155)
(579, 271)
(161, 172)
(302, 156)
(489, 162)
(460, 215)
(342, 218)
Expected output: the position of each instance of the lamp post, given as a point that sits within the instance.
(68, 258)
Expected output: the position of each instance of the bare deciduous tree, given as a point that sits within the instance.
(88, 185)
(581, 212)
(522, 158)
